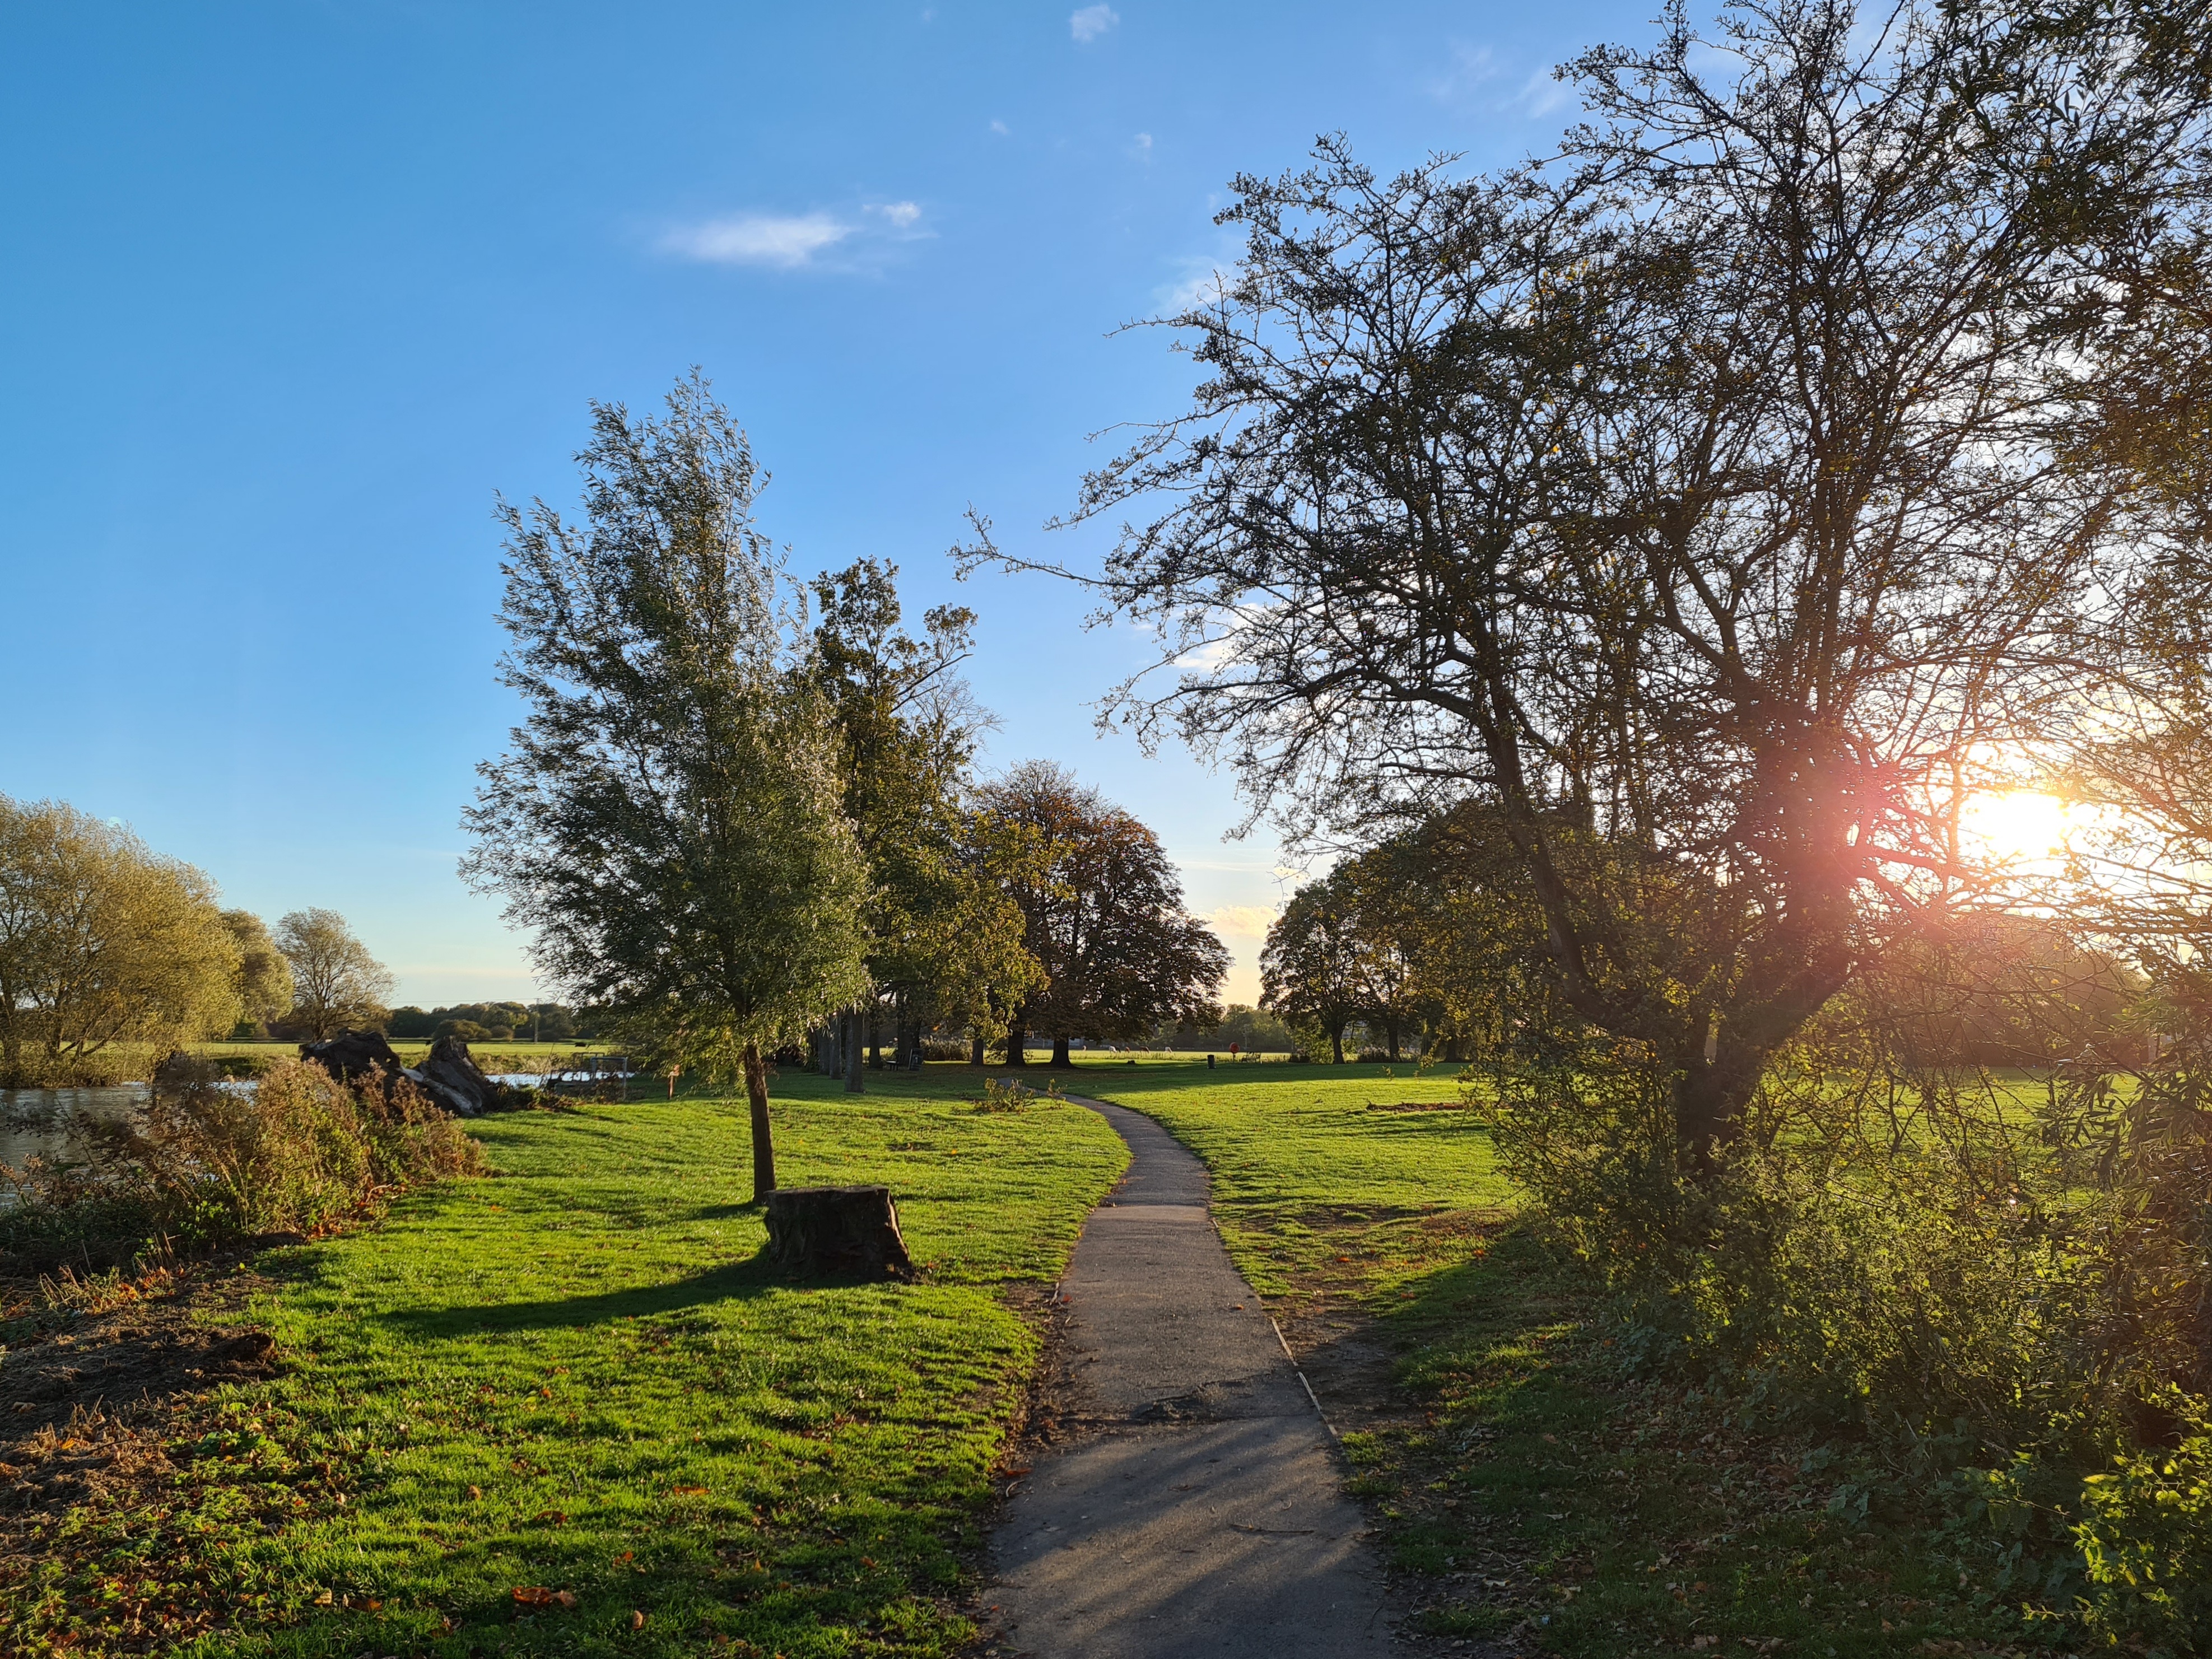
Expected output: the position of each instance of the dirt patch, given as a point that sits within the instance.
(94, 1372)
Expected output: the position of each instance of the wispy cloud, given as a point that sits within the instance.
(1242, 920)
(1001, 129)
(1543, 92)
(1144, 143)
(1464, 68)
(1089, 22)
(1203, 282)
(1473, 74)
(796, 240)
(758, 239)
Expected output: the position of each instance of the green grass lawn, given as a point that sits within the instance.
(577, 1378)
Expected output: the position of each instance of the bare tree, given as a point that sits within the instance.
(336, 982)
(1717, 504)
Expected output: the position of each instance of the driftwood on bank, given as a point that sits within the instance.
(836, 1230)
(449, 1075)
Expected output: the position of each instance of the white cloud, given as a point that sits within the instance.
(1204, 285)
(1002, 129)
(1544, 93)
(1242, 920)
(1464, 68)
(758, 239)
(1091, 21)
(1145, 143)
(901, 214)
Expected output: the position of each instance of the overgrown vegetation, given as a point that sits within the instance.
(207, 1163)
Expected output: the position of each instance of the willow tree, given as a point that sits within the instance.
(1714, 504)
(103, 942)
(668, 819)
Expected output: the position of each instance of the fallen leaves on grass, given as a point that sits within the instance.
(538, 1596)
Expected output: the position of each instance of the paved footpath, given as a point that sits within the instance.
(1203, 1514)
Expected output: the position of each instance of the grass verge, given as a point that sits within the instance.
(567, 1410)
(1535, 1494)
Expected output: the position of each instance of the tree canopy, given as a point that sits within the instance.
(102, 942)
(669, 819)
(1103, 912)
(337, 985)
(1717, 503)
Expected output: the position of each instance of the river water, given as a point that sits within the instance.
(33, 1122)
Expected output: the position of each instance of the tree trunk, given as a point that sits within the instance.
(1336, 1043)
(763, 1135)
(875, 1042)
(1017, 1045)
(854, 1083)
(1060, 1055)
(914, 1054)
(836, 1230)
(1709, 1103)
(1390, 1035)
(975, 1054)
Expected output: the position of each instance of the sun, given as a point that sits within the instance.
(2016, 825)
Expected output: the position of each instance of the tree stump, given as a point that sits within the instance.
(836, 1230)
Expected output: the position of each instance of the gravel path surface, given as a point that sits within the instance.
(1197, 1510)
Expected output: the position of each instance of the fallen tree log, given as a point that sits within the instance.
(836, 1230)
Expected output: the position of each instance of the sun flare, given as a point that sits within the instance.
(2014, 825)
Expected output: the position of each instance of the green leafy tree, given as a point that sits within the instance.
(1103, 913)
(1311, 969)
(337, 984)
(944, 939)
(102, 942)
(264, 976)
(669, 820)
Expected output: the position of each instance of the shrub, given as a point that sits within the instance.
(204, 1164)
(2145, 1535)
(1014, 1096)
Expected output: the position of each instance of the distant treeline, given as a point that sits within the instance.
(492, 1022)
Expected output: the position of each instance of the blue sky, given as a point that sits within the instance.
(291, 289)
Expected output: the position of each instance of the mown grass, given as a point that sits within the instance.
(1547, 1496)
(579, 1379)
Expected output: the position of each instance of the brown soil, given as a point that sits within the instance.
(96, 1375)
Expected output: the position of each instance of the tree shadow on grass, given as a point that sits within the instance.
(731, 1281)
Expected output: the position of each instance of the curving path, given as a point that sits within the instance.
(1201, 1514)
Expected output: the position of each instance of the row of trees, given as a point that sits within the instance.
(1420, 938)
(108, 949)
(497, 1022)
(733, 818)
